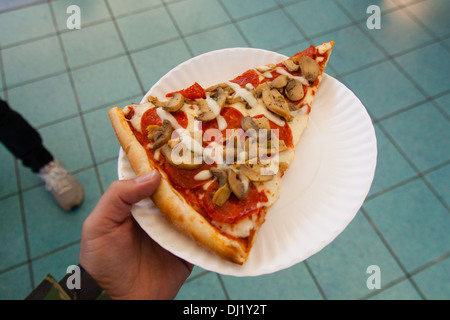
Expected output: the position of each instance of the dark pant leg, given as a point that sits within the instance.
(22, 140)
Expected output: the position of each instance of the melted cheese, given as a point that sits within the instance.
(221, 123)
(139, 110)
(241, 229)
(213, 105)
(259, 109)
(243, 93)
(290, 76)
(189, 143)
(203, 175)
(324, 47)
(214, 152)
(164, 115)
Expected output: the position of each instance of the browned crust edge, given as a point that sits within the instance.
(173, 206)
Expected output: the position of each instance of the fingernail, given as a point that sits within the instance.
(146, 177)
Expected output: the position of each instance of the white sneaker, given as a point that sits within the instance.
(66, 190)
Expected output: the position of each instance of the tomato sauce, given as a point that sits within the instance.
(193, 92)
(151, 117)
(234, 209)
(250, 76)
(192, 190)
(232, 117)
(284, 133)
(183, 180)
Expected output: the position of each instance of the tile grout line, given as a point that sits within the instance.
(20, 194)
(397, 147)
(225, 291)
(355, 22)
(192, 278)
(58, 32)
(90, 64)
(407, 274)
(3, 78)
(391, 57)
(234, 22)
(127, 52)
(413, 106)
(392, 252)
(35, 186)
(418, 87)
(315, 280)
(24, 225)
(305, 35)
(24, 6)
(369, 198)
(408, 180)
(177, 27)
(219, 276)
(418, 20)
(418, 172)
(41, 256)
(77, 100)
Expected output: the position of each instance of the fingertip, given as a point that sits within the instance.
(152, 176)
(148, 182)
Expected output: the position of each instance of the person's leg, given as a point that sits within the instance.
(22, 140)
(25, 143)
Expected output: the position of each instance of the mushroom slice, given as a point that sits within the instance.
(224, 191)
(262, 123)
(221, 175)
(161, 135)
(221, 195)
(275, 147)
(275, 102)
(150, 128)
(254, 174)
(155, 101)
(261, 88)
(280, 82)
(166, 150)
(175, 103)
(206, 113)
(294, 90)
(266, 68)
(292, 107)
(290, 65)
(238, 187)
(221, 97)
(309, 68)
(248, 123)
(261, 126)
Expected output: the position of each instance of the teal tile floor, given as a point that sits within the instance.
(63, 81)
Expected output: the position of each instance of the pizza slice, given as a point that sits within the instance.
(222, 151)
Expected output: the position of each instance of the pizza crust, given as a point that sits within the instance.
(174, 207)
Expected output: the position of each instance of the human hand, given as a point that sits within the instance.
(120, 256)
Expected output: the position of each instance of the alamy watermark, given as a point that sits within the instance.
(74, 20)
(374, 280)
(374, 20)
(74, 280)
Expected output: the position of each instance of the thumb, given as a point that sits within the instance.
(116, 202)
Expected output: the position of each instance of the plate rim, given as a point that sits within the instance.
(310, 251)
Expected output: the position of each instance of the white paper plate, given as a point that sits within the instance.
(321, 192)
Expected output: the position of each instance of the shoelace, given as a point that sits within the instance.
(55, 180)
